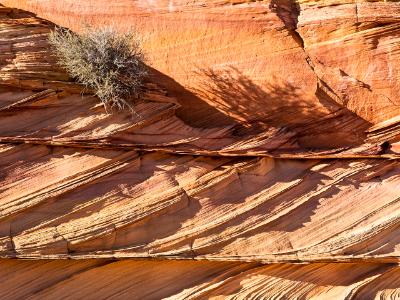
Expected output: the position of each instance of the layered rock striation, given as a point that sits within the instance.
(268, 135)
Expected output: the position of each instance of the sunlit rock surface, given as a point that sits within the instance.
(268, 133)
(105, 279)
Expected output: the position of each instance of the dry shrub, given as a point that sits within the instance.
(105, 61)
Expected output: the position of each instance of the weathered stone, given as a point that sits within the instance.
(269, 132)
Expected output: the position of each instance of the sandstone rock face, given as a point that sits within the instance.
(127, 204)
(257, 67)
(346, 49)
(269, 132)
(103, 279)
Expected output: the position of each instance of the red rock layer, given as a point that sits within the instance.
(197, 175)
(272, 47)
(53, 116)
(263, 81)
(67, 202)
(103, 279)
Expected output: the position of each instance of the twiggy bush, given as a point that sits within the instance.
(109, 63)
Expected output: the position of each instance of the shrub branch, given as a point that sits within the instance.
(109, 63)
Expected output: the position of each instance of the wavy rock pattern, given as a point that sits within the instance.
(129, 204)
(269, 132)
(310, 45)
(281, 121)
(102, 279)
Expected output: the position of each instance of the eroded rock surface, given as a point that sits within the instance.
(268, 133)
(129, 204)
(104, 279)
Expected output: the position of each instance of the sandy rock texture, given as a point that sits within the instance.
(272, 77)
(268, 135)
(318, 52)
(105, 279)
